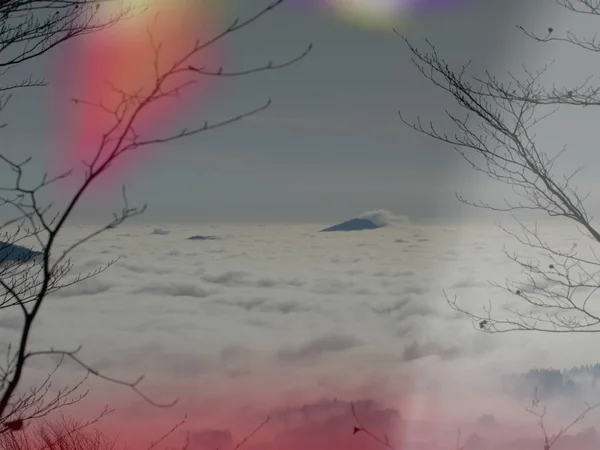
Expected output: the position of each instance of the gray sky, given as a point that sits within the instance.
(331, 145)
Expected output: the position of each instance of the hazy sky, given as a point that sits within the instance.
(331, 145)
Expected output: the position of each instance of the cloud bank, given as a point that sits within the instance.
(275, 317)
(382, 218)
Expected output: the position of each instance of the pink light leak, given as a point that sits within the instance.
(310, 417)
(103, 66)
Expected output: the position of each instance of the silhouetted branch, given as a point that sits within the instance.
(362, 429)
(251, 435)
(63, 434)
(540, 412)
(27, 284)
(496, 136)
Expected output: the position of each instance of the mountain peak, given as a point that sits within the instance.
(353, 225)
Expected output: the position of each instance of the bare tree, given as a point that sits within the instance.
(30, 28)
(385, 441)
(496, 136)
(539, 411)
(26, 282)
(63, 434)
(535, 409)
(68, 434)
(360, 428)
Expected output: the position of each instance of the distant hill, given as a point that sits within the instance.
(202, 238)
(353, 225)
(552, 383)
(12, 253)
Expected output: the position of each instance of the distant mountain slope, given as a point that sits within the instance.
(202, 238)
(553, 383)
(353, 225)
(11, 253)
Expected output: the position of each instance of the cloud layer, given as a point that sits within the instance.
(273, 317)
(382, 218)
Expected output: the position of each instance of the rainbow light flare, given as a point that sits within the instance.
(373, 13)
(122, 57)
(383, 14)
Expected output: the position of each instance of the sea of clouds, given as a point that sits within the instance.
(382, 218)
(276, 320)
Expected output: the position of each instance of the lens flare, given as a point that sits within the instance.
(122, 62)
(383, 14)
(104, 67)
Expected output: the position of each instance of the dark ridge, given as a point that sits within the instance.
(12, 253)
(202, 238)
(353, 225)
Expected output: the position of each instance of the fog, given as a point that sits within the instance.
(292, 324)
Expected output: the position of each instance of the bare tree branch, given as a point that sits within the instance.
(496, 135)
(362, 429)
(539, 411)
(26, 284)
